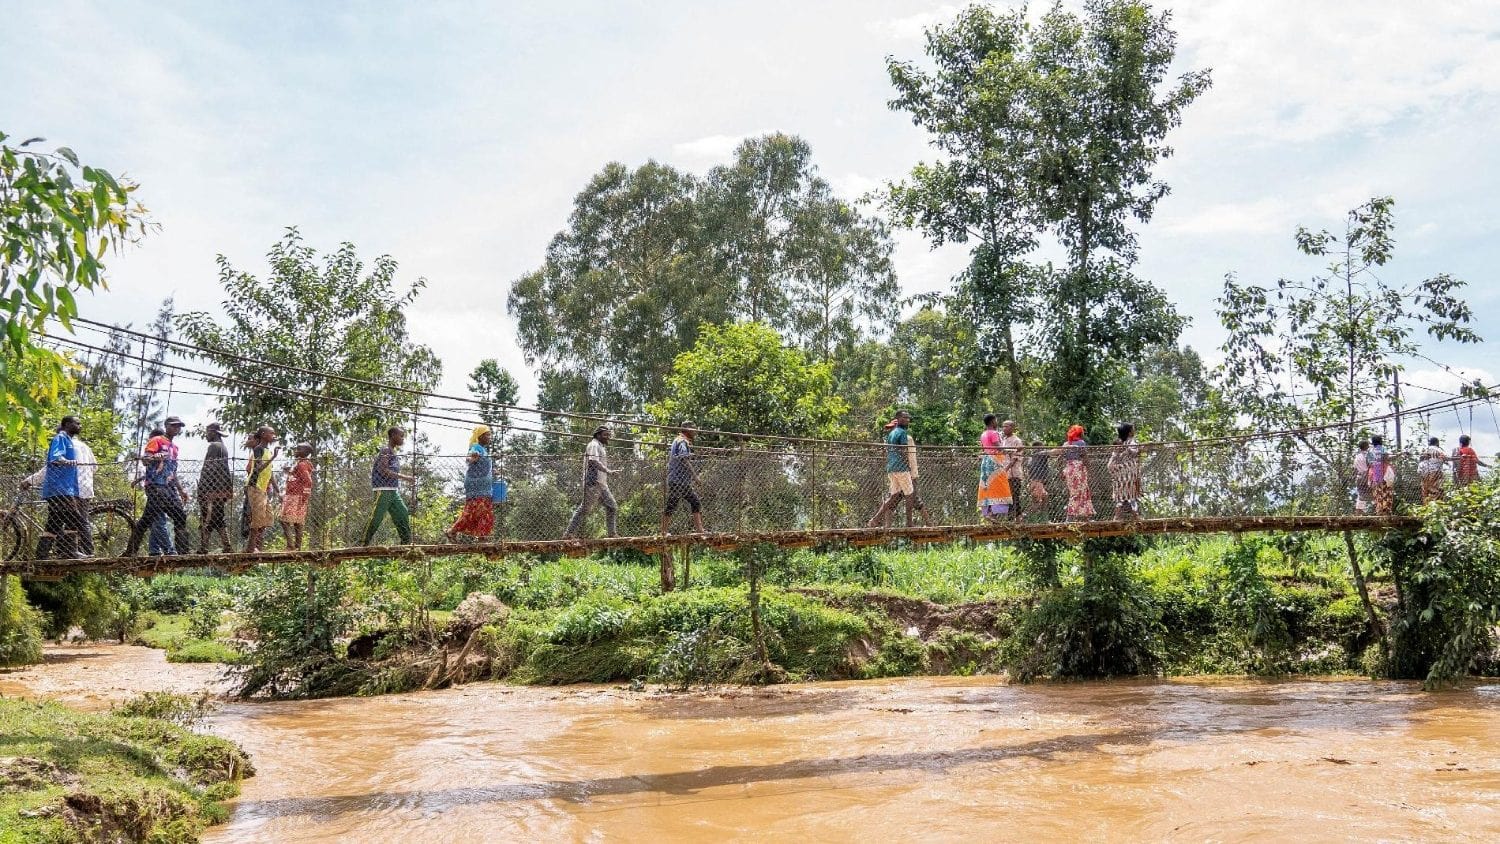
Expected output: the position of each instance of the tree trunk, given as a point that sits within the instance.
(1013, 366)
(757, 633)
(668, 576)
(1377, 630)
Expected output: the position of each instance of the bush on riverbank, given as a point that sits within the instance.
(1448, 588)
(20, 625)
(73, 776)
(176, 635)
(1217, 605)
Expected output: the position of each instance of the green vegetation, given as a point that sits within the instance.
(58, 220)
(131, 775)
(20, 625)
(174, 634)
(1448, 581)
(1260, 605)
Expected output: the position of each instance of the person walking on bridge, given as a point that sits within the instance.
(259, 482)
(298, 498)
(995, 495)
(67, 521)
(86, 464)
(901, 474)
(164, 491)
(1382, 477)
(1014, 450)
(1466, 463)
(681, 478)
(385, 482)
(1075, 472)
(215, 488)
(1430, 470)
(596, 492)
(1125, 474)
(1362, 478)
(478, 516)
(1038, 467)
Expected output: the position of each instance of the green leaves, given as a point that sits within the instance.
(740, 377)
(48, 223)
(1336, 338)
(1053, 127)
(321, 313)
(652, 254)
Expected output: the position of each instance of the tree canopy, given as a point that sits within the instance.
(323, 314)
(651, 255)
(741, 377)
(1052, 128)
(59, 218)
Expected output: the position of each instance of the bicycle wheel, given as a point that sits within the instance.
(11, 538)
(110, 524)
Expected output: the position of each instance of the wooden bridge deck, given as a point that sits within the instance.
(848, 537)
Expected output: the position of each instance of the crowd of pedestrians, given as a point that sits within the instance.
(1015, 481)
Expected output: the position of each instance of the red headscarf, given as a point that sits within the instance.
(1075, 433)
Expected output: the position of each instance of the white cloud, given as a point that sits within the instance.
(713, 149)
(913, 26)
(1293, 71)
(854, 186)
(1269, 214)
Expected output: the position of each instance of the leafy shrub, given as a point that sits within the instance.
(1106, 625)
(179, 709)
(590, 620)
(80, 600)
(705, 655)
(962, 652)
(899, 656)
(1449, 573)
(205, 613)
(1253, 612)
(20, 625)
(297, 633)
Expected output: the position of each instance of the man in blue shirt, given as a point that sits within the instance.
(900, 473)
(66, 520)
(681, 476)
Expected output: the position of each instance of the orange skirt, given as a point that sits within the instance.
(477, 519)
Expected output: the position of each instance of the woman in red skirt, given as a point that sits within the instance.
(478, 516)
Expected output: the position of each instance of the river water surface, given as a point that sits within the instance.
(935, 758)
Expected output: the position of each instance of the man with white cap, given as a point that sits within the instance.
(596, 492)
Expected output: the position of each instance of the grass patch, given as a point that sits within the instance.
(72, 776)
(171, 633)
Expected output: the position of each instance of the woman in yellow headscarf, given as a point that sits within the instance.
(478, 516)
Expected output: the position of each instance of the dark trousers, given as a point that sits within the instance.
(66, 530)
(160, 501)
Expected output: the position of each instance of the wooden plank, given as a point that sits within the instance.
(852, 537)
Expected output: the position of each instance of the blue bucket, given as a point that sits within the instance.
(499, 491)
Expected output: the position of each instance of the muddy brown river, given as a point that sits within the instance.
(932, 759)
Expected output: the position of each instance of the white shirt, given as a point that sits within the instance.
(595, 452)
(85, 458)
(1012, 457)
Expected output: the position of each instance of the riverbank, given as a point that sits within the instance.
(67, 775)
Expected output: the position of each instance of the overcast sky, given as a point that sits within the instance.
(454, 136)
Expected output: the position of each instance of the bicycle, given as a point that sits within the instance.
(110, 521)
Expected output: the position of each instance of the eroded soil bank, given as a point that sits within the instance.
(941, 758)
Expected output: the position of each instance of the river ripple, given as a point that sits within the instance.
(929, 758)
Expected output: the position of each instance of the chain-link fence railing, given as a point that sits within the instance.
(739, 491)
